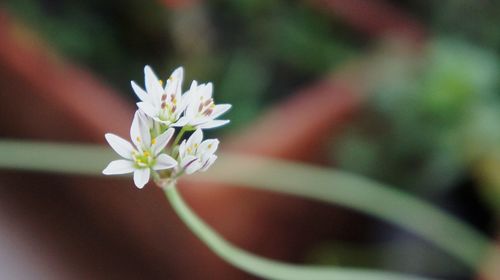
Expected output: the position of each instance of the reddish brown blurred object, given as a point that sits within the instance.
(39, 76)
(101, 227)
(178, 4)
(375, 18)
(104, 228)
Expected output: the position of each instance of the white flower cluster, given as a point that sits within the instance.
(161, 110)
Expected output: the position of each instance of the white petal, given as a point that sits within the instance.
(199, 120)
(208, 163)
(167, 122)
(174, 83)
(143, 96)
(144, 129)
(178, 76)
(120, 166)
(153, 85)
(187, 97)
(195, 138)
(219, 110)
(182, 149)
(209, 146)
(212, 124)
(193, 167)
(192, 106)
(120, 145)
(164, 161)
(185, 161)
(141, 177)
(207, 91)
(181, 122)
(162, 141)
(192, 90)
(148, 109)
(134, 131)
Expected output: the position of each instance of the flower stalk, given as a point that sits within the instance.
(263, 267)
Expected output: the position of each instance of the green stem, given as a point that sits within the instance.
(174, 150)
(357, 193)
(264, 267)
(179, 137)
(322, 184)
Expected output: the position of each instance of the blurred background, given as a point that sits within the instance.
(404, 92)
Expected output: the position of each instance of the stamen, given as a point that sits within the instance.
(138, 139)
(163, 97)
(153, 141)
(208, 102)
(161, 82)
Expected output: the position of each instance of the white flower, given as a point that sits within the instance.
(201, 112)
(146, 154)
(164, 105)
(196, 155)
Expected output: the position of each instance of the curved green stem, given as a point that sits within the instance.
(267, 268)
(323, 184)
(358, 193)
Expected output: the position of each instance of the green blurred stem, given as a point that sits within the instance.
(323, 184)
(179, 136)
(262, 267)
(175, 149)
(358, 193)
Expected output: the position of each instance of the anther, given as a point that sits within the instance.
(207, 102)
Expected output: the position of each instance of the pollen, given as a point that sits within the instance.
(138, 139)
(161, 82)
(153, 141)
(146, 154)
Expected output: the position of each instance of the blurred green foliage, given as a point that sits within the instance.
(256, 52)
(422, 127)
